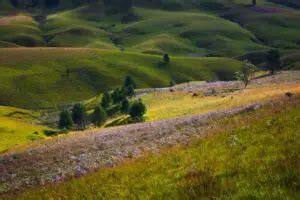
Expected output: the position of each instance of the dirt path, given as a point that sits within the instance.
(75, 155)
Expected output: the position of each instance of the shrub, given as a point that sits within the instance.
(65, 120)
(99, 116)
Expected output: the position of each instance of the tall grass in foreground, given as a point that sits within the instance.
(255, 157)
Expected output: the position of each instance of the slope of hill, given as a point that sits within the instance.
(42, 77)
(185, 32)
(265, 138)
(18, 126)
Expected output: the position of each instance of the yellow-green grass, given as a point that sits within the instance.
(37, 77)
(163, 105)
(17, 127)
(250, 156)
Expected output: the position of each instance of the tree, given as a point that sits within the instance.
(166, 58)
(125, 106)
(118, 95)
(106, 99)
(253, 2)
(130, 90)
(246, 74)
(99, 116)
(137, 110)
(79, 115)
(129, 81)
(65, 120)
(273, 59)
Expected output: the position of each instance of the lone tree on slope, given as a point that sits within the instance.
(166, 58)
(273, 59)
(246, 74)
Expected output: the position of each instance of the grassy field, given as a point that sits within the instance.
(17, 126)
(38, 77)
(219, 166)
(174, 104)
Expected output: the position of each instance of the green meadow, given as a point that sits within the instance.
(39, 77)
(250, 156)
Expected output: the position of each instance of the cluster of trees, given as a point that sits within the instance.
(113, 102)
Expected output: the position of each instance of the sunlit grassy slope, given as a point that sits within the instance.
(38, 77)
(174, 104)
(17, 127)
(253, 156)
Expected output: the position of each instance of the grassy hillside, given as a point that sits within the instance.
(39, 77)
(17, 127)
(169, 105)
(251, 156)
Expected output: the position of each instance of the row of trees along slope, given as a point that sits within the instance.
(119, 101)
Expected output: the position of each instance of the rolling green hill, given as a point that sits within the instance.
(39, 77)
(190, 28)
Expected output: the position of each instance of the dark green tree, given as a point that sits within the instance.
(130, 90)
(273, 61)
(129, 81)
(99, 116)
(79, 115)
(65, 120)
(125, 106)
(118, 95)
(166, 58)
(106, 99)
(137, 110)
(253, 2)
